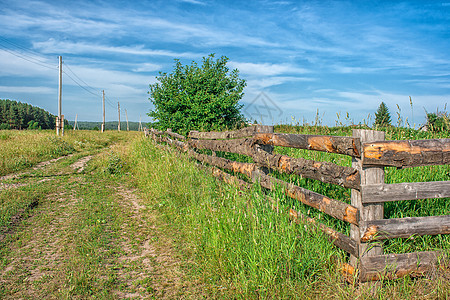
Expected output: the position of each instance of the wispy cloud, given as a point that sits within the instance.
(17, 23)
(53, 46)
(193, 2)
(27, 89)
(16, 63)
(147, 67)
(266, 69)
(258, 84)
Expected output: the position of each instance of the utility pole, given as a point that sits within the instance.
(75, 126)
(126, 115)
(59, 121)
(103, 124)
(140, 124)
(118, 107)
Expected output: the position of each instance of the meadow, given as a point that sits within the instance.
(249, 250)
(229, 244)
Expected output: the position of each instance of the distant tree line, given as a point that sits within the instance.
(18, 115)
(111, 125)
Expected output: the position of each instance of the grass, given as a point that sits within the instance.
(61, 237)
(85, 238)
(23, 149)
(397, 209)
(245, 249)
(242, 249)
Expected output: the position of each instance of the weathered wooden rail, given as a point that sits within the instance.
(365, 214)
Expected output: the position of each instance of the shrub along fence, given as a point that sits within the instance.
(370, 153)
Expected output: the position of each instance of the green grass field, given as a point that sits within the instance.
(248, 250)
(189, 235)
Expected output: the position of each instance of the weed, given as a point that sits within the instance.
(115, 165)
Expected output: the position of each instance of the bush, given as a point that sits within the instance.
(198, 98)
(438, 121)
(4, 126)
(33, 125)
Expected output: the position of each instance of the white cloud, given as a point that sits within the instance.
(52, 21)
(193, 2)
(27, 89)
(53, 46)
(103, 78)
(256, 84)
(147, 67)
(14, 63)
(266, 69)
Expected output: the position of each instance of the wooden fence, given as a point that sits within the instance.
(370, 154)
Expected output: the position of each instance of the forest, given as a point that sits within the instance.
(18, 115)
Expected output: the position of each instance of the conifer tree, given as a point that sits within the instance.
(382, 116)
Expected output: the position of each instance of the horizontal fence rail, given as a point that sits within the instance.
(403, 154)
(405, 191)
(370, 153)
(332, 144)
(324, 171)
(337, 238)
(404, 227)
(244, 132)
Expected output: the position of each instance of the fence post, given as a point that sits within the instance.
(265, 129)
(367, 212)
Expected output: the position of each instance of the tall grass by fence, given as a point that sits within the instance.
(370, 153)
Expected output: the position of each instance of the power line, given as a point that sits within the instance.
(24, 49)
(77, 83)
(78, 77)
(109, 102)
(24, 57)
(32, 59)
(83, 87)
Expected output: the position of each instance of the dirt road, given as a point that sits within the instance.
(86, 235)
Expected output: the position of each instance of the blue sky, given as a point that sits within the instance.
(330, 57)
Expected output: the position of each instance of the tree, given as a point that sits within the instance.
(382, 116)
(18, 115)
(13, 116)
(197, 98)
(33, 125)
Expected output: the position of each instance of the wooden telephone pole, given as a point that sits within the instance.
(103, 124)
(75, 126)
(118, 107)
(126, 115)
(140, 124)
(60, 117)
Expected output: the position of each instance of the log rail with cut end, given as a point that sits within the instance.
(404, 154)
(404, 227)
(331, 144)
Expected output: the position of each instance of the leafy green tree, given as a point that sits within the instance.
(4, 126)
(382, 116)
(33, 125)
(196, 97)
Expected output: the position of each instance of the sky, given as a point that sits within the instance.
(332, 61)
